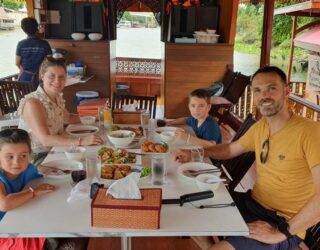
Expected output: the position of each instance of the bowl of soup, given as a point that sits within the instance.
(121, 138)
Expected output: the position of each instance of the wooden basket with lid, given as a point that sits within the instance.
(107, 211)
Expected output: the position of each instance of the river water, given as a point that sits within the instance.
(131, 42)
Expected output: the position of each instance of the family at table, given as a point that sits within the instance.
(278, 210)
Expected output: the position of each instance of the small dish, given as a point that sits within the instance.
(81, 130)
(121, 138)
(95, 36)
(78, 36)
(194, 166)
(51, 169)
(167, 136)
(88, 120)
(76, 154)
(208, 182)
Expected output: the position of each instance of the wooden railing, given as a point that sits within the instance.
(297, 104)
(138, 66)
(13, 77)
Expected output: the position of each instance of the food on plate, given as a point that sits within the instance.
(122, 135)
(138, 131)
(108, 155)
(145, 171)
(148, 146)
(115, 171)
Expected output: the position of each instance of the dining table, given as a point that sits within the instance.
(53, 216)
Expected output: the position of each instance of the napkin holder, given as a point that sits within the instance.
(126, 117)
(109, 212)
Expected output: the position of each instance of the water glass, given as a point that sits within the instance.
(145, 116)
(100, 116)
(91, 166)
(197, 154)
(158, 170)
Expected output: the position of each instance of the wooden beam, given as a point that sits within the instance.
(296, 9)
(293, 35)
(267, 33)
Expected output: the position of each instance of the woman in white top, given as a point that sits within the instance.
(42, 113)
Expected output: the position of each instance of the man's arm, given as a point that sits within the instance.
(308, 216)
(219, 152)
(18, 62)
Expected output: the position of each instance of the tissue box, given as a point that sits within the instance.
(123, 117)
(107, 211)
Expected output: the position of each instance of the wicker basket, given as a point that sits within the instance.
(117, 213)
(122, 117)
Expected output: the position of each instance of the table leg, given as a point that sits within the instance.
(125, 243)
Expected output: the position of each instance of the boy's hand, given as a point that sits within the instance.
(43, 189)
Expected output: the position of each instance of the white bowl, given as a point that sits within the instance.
(88, 120)
(76, 154)
(78, 36)
(167, 136)
(95, 36)
(121, 138)
(211, 31)
(208, 182)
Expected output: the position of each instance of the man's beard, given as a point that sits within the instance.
(272, 110)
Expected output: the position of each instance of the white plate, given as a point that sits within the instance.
(108, 182)
(87, 130)
(162, 129)
(60, 164)
(193, 166)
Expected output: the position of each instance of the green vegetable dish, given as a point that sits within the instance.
(145, 171)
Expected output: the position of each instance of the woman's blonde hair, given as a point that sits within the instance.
(49, 61)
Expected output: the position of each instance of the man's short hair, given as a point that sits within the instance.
(201, 93)
(271, 69)
(29, 25)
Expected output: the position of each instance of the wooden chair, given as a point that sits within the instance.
(312, 240)
(144, 102)
(230, 96)
(237, 167)
(11, 93)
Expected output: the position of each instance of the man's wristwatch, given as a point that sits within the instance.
(283, 227)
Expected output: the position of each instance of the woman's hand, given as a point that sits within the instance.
(182, 155)
(91, 140)
(43, 189)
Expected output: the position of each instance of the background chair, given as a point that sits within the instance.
(237, 167)
(11, 93)
(144, 102)
(230, 96)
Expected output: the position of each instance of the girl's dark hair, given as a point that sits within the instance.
(29, 25)
(201, 93)
(14, 136)
(273, 69)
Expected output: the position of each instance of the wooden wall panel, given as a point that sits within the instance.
(192, 66)
(94, 54)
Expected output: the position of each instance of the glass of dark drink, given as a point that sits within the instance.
(78, 175)
(161, 123)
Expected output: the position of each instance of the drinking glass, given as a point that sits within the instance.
(158, 170)
(145, 116)
(91, 166)
(78, 175)
(100, 116)
(197, 154)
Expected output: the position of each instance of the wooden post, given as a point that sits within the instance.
(267, 32)
(293, 34)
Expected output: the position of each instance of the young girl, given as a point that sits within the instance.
(15, 173)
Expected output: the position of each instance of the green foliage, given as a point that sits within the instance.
(13, 4)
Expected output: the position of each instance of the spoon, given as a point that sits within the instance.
(214, 180)
(195, 173)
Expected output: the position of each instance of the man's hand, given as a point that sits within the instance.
(182, 155)
(264, 232)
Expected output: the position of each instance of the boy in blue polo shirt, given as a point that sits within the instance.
(31, 52)
(204, 126)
